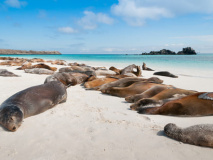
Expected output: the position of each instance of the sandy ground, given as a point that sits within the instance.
(93, 126)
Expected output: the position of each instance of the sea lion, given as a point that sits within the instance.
(81, 77)
(68, 69)
(98, 82)
(60, 62)
(144, 67)
(125, 82)
(162, 97)
(200, 135)
(66, 78)
(37, 60)
(41, 65)
(130, 69)
(104, 72)
(146, 94)
(198, 104)
(117, 76)
(6, 58)
(11, 63)
(135, 88)
(6, 73)
(29, 102)
(165, 73)
(38, 71)
(25, 65)
(117, 71)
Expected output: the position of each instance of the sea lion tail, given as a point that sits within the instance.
(173, 131)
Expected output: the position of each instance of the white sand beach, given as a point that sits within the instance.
(94, 126)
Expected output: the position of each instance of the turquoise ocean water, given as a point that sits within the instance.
(200, 65)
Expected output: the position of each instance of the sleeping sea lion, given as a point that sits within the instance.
(200, 135)
(162, 97)
(29, 102)
(146, 94)
(198, 104)
(165, 73)
(6, 73)
(135, 88)
(65, 77)
(38, 71)
(98, 82)
(125, 82)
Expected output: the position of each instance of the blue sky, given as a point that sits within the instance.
(106, 26)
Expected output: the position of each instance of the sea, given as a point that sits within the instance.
(200, 65)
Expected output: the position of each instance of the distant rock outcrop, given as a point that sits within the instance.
(11, 51)
(185, 51)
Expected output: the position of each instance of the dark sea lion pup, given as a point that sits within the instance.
(29, 102)
(200, 135)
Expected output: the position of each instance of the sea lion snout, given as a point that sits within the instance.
(168, 127)
(134, 106)
(129, 99)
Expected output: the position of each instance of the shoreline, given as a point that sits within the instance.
(91, 125)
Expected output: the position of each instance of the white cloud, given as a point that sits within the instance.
(136, 12)
(15, 3)
(91, 20)
(67, 30)
(205, 38)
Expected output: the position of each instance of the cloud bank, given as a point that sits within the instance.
(90, 20)
(67, 30)
(136, 12)
(15, 3)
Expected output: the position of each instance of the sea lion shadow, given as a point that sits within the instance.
(161, 133)
(3, 129)
(125, 102)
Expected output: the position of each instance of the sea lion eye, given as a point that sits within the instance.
(11, 119)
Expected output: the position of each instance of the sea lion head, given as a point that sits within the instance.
(11, 117)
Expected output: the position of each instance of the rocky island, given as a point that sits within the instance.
(185, 51)
(11, 51)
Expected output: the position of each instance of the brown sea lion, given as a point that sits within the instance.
(198, 104)
(41, 65)
(6, 73)
(144, 67)
(66, 78)
(81, 77)
(25, 65)
(98, 82)
(6, 58)
(81, 68)
(125, 82)
(117, 71)
(104, 72)
(161, 97)
(99, 68)
(165, 73)
(38, 71)
(116, 76)
(11, 63)
(37, 60)
(130, 69)
(146, 94)
(135, 88)
(59, 62)
(29, 102)
(200, 135)
(67, 69)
